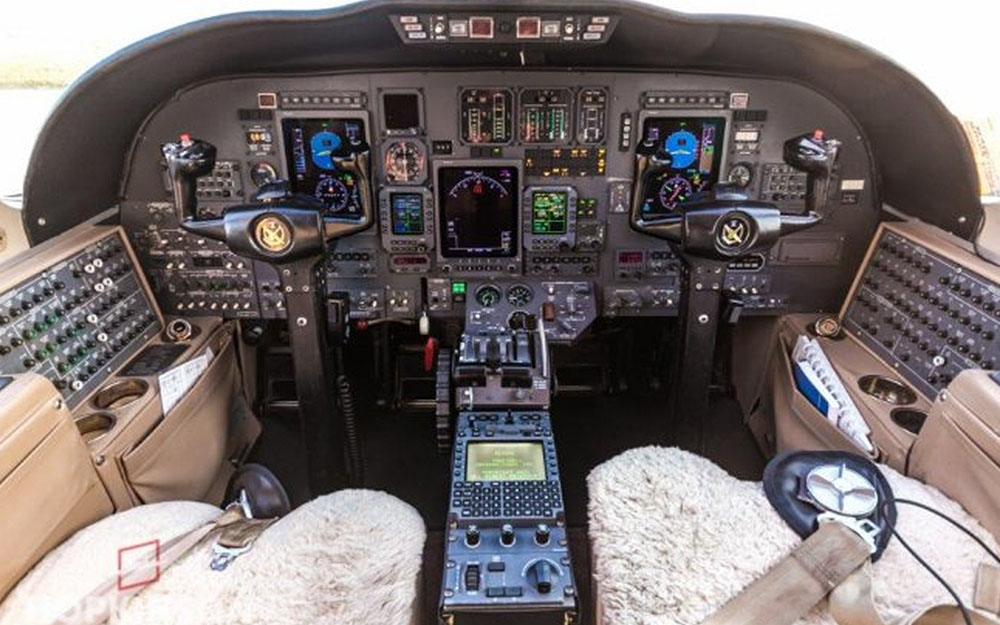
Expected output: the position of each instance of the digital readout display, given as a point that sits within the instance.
(549, 212)
(505, 462)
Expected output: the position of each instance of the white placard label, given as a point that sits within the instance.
(177, 381)
(852, 184)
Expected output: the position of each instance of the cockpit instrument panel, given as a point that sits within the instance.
(312, 146)
(486, 116)
(479, 210)
(687, 156)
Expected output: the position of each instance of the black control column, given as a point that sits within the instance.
(708, 234)
(290, 232)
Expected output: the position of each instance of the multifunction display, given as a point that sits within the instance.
(688, 156)
(407, 213)
(478, 211)
(549, 210)
(312, 148)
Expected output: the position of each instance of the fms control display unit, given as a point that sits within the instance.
(507, 548)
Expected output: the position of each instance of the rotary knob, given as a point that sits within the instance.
(507, 535)
(472, 536)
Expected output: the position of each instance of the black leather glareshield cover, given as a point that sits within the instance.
(785, 473)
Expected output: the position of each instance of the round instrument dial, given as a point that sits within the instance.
(519, 295)
(675, 190)
(740, 174)
(334, 194)
(404, 161)
(263, 173)
(488, 295)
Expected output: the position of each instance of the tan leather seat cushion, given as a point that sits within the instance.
(673, 537)
(350, 557)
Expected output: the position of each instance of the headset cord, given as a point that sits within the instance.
(930, 569)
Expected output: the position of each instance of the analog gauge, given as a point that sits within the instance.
(263, 173)
(518, 320)
(740, 174)
(675, 190)
(519, 295)
(334, 193)
(488, 295)
(404, 161)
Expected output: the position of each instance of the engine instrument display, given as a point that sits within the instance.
(545, 115)
(691, 151)
(486, 116)
(407, 213)
(478, 211)
(311, 149)
(549, 212)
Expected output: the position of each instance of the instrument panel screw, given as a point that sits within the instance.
(703, 318)
(301, 322)
(99, 460)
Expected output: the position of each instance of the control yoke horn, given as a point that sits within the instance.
(727, 224)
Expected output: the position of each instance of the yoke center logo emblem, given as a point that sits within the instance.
(273, 234)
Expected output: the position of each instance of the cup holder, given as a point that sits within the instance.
(909, 419)
(887, 389)
(95, 425)
(120, 394)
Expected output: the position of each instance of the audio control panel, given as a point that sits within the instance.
(927, 306)
(82, 316)
(507, 546)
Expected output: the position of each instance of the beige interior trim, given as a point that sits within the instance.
(48, 485)
(958, 450)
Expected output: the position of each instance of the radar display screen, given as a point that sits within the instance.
(691, 147)
(505, 462)
(407, 213)
(479, 211)
(549, 212)
(311, 145)
(402, 111)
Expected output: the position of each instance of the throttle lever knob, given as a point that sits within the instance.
(187, 160)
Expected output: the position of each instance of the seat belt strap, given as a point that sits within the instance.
(799, 581)
(98, 605)
(987, 595)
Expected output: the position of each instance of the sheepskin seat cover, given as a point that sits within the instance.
(350, 557)
(674, 537)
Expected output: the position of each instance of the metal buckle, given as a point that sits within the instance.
(224, 556)
(864, 528)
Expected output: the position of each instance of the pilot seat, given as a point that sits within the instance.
(674, 538)
(353, 556)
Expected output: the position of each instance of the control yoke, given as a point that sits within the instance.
(710, 233)
(292, 232)
(727, 224)
(280, 227)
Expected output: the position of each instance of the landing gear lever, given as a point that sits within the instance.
(290, 232)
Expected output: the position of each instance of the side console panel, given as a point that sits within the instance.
(73, 310)
(927, 305)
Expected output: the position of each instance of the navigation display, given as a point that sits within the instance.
(407, 213)
(549, 212)
(479, 209)
(311, 147)
(505, 462)
(693, 148)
